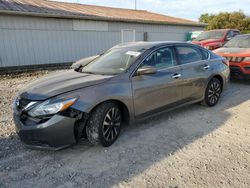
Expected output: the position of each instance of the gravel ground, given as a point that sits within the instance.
(194, 146)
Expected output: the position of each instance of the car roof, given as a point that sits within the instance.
(147, 45)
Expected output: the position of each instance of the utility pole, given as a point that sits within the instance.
(135, 4)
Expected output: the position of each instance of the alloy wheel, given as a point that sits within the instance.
(111, 124)
(214, 92)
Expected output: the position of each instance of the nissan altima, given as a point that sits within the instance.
(129, 82)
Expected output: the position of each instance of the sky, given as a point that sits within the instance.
(189, 9)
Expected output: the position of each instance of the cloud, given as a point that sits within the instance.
(189, 9)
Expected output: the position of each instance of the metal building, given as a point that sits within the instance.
(41, 32)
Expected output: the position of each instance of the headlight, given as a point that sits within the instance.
(51, 106)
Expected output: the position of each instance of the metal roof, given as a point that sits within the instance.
(46, 8)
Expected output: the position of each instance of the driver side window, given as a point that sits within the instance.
(160, 59)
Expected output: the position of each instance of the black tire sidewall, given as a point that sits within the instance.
(95, 124)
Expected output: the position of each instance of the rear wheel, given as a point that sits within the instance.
(104, 124)
(213, 92)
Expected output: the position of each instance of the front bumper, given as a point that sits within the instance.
(54, 134)
(240, 70)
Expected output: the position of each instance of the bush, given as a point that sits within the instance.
(245, 32)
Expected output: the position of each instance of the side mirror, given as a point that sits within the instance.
(144, 70)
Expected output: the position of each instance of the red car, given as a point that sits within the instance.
(237, 52)
(214, 39)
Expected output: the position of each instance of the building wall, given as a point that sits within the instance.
(33, 40)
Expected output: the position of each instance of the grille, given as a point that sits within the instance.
(235, 71)
(235, 59)
(247, 68)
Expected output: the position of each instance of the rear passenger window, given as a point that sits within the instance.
(188, 54)
(205, 54)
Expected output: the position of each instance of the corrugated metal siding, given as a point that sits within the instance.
(89, 25)
(30, 40)
(116, 26)
(156, 32)
(27, 47)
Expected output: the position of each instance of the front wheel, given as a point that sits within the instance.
(213, 92)
(104, 125)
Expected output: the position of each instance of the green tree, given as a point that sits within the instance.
(204, 18)
(224, 20)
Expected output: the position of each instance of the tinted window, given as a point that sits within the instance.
(162, 58)
(230, 34)
(205, 54)
(188, 54)
(236, 33)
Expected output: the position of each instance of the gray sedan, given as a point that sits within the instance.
(129, 82)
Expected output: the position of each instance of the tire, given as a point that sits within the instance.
(104, 124)
(213, 92)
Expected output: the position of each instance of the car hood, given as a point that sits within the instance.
(233, 52)
(59, 83)
(207, 42)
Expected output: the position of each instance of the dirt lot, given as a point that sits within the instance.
(194, 146)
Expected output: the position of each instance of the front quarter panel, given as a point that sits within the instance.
(118, 88)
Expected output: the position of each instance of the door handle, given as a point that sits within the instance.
(176, 76)
(206, 67)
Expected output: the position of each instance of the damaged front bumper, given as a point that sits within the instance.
(54, 134)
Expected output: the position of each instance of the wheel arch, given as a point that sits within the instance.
(220, 78)
(80, 125)
(123, 107)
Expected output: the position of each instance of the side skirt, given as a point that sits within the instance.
(165, 109)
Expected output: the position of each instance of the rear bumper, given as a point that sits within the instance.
(56, 133)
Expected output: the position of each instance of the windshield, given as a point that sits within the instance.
(210, 35)
(113, 61)
(241, 41)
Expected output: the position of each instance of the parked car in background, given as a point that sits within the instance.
(214, 39)
(237, 52)
(193, 35)
(129, 82)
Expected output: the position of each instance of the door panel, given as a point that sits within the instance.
(154, 92)
(194, 79)
(195, 71)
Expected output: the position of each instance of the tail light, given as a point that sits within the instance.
(225, 61)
